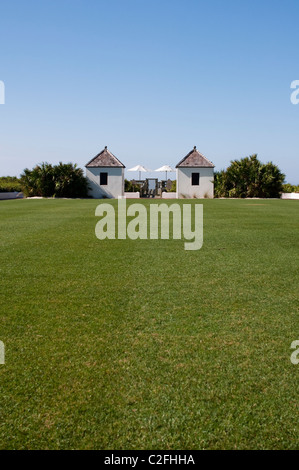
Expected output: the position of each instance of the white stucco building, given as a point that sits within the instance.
(195, 176)
(105, 174)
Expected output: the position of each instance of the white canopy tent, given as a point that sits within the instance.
(140, 168)
(167, 169)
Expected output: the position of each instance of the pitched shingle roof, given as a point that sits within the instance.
(105, 159)
(195, 159)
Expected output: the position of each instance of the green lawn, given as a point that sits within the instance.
(141, 344)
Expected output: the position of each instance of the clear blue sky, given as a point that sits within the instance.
(150, 79)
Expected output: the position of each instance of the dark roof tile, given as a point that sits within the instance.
(195, 159)
(105, 159)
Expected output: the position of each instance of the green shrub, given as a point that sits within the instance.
(289, 188)
(9, 184)
(130, 187)
(173, 187)
(63, 180)
(249, 177)
(220, 184)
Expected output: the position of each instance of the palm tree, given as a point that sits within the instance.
(63, 180)
(248, 177)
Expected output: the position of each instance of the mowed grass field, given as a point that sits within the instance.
(142, 345)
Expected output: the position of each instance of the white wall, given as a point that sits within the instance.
(115, 185)
(184, 183)
(290, 196)
(132, 195)
(166, 195)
